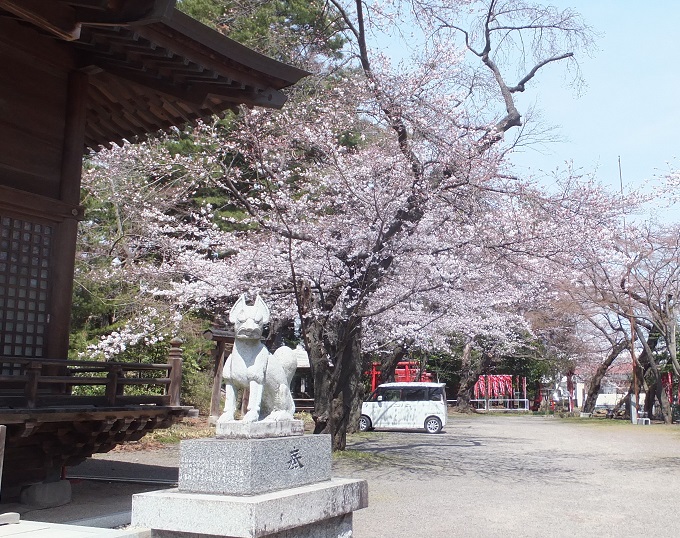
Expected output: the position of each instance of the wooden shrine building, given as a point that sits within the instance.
(76, 75)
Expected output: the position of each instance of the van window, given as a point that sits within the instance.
(436, 394)
(391, 395)
(414, 394)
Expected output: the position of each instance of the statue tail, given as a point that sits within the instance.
(290, 359)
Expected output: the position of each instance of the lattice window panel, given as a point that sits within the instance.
(24, 273)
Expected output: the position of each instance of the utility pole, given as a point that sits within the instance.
(631, 319)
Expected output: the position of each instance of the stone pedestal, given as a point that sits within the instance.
(253, 466)
(278, 487)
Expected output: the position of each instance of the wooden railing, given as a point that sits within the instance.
(31, 383)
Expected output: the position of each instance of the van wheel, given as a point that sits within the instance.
(364, 423)
(433, 425)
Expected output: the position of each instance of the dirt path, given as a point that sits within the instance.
(485, 476)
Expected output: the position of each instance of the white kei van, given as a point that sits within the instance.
(398, 406)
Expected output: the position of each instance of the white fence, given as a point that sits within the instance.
(501, 404)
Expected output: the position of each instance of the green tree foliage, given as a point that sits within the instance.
(209, 12)
(288, 30)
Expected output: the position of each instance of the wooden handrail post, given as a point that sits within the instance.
(112, 386)
(175, 374)
(33, 373)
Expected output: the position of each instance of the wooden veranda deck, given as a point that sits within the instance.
(50, 425)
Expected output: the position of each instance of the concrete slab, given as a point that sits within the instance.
(92, 501)
(37, 529)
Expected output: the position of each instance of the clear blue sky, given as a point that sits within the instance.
(629, 107)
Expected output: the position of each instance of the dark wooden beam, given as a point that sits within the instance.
(3, 434)
(196, 93)
(64, 247)
(194, 51)
(126, 12)
(34, 48)
(65, 20)
(267, 97)
(54, 17)
(72, 159)
(138, 76)
(26, 203)
(219, 335)
(217, 51)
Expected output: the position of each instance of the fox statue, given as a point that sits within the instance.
(250, 365)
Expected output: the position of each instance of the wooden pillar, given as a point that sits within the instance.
(215, 399)
(175, 363)
(3, 435)
(64, 246)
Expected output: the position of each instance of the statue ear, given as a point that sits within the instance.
(262, 308)
(237, 308)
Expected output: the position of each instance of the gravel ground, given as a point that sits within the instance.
(483, 476)
(520, 476)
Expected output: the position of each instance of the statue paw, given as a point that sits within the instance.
(226, 417)
(251, 416)
(279, 416)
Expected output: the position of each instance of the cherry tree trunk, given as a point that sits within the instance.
(336, 368)
(655, 393)
(598, 376)
(469, 373)
(655, 390)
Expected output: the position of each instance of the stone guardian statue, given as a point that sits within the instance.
(250, 365)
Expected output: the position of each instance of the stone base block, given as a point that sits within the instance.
(253, 466)
(237, 429)
(336, 527)
(47, 494)
(282, 514)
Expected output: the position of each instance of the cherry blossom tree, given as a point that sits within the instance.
(650, 286)
(480, 253)
(377, 207)
(625, 292)
(444, 147)
(601, 326)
